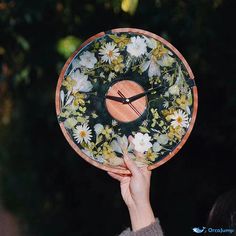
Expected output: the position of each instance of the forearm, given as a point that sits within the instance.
(141, 216)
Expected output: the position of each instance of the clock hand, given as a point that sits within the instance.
(131, 105)
(117, 99)
(137, 96)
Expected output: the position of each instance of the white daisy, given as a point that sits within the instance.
(137, 46)
(180, 118)
(88, 60)
(142, 142)
(82, 133)
(109, 52)
(82, 82)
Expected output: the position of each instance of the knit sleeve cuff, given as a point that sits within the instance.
(153, 229)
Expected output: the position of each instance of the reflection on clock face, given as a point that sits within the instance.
(126, 111)
(121, 85)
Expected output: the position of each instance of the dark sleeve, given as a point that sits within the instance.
(153, 229)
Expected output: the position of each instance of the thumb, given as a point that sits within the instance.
(131, 165)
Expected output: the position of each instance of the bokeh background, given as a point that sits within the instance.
(44, 186)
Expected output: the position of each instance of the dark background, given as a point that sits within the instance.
(43, 182)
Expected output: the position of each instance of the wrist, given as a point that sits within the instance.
(141, 215)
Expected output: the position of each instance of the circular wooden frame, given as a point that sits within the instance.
(121, 170)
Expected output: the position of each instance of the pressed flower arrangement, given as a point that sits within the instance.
(126, 91)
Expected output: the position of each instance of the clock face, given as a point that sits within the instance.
(126, 90)
(125, 111)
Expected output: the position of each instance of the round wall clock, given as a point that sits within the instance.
(126, 91)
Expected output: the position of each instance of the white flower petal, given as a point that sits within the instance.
(88, 60)
(163, 139)
(174, 90)
(116, 147)
(62, 96)
(137, 46)
(154, 69)
(142, 142)
(151, 43)
(98, 128)
(123, 142)
(144, 66)
(82, 82)
(70, 123)
(156, 147)
(70, 99)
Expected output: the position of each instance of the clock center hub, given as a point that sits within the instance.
(128, 111)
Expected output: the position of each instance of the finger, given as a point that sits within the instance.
(131, 138)
(115, 176)
(139, 154)
(131, 165)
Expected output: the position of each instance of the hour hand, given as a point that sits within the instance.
(140, 95)
(117, 99)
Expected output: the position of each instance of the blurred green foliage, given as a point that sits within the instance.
(41, 179)
(66, 46)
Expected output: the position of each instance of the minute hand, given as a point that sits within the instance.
(117, 99)
(137, 96)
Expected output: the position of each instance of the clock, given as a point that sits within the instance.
(126, 91)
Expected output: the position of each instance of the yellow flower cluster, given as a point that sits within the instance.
(107, 132)
(107, 151)
(155, 116)
(150, 155)
(184, 101)
(118, 64)
(159, 51)
(177, 132)
(79, 99)
(121, 41)
(69, 83)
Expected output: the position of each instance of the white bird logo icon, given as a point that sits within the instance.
(199, 230)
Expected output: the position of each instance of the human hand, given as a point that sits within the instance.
(135, 190)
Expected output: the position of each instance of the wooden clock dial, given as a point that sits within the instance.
(126, 112)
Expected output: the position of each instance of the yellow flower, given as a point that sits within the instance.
(118, 65)
(107, 151)
(159, 51)
(183, 102)
(122, 40)
(107, 132)
(168, 113)
(79, 99)
(150, 155)
(69, 83)
(177, 132)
